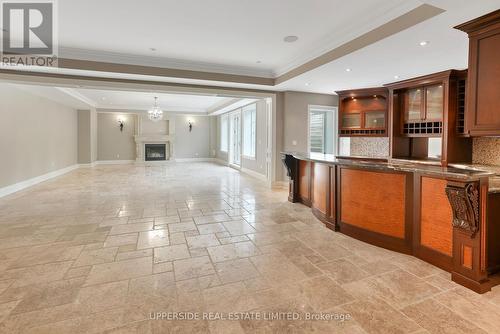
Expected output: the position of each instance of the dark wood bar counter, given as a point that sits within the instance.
(446, 216)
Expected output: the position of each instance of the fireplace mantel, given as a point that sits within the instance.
(166, 136)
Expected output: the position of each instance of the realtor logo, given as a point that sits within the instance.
(28, 33)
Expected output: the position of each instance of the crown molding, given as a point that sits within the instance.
(75, 94)
(172, 63)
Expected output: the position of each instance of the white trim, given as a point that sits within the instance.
(233, 166)
(280, 185)
(221, 162)
(254, 174)
(334, 111)
(90, 165)
(33, 181)
(114, 162)
(195, 160)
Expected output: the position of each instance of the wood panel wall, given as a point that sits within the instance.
(436, 230)
(374, 201)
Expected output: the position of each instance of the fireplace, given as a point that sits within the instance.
(155, 152)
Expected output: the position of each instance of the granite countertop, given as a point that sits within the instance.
(461, 172)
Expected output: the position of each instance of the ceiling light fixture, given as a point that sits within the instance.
(155, 114)
(290, 39)
(308, 84)
(396, 77)
(423, 43)
(348, 70)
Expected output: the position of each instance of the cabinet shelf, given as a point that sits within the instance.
(363, 112)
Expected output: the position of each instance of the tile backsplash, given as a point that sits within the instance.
(486, 151)
(370, 146)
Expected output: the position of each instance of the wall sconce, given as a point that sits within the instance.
(190, 125)
(121, 122)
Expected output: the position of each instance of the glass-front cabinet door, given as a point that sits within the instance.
(434, 102)
(374, 119)
(413, 105)
(351, 120)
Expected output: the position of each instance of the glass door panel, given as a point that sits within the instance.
(434, 102)
(236, 139)
(374, 119)
(414, 105)
(351, 120)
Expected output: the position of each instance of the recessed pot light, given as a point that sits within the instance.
(423, 43)
(290, 39)
(396, 77)
(308, 84)
(348, 70)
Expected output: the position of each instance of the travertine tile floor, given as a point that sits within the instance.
(102, 249)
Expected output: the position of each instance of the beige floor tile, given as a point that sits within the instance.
(436, 318)
(235, 270)
(343, 271)
(271, 256)
(117, 271)
(171, 253)
(193, 267)
(232, 251)
(472, 307)
(120, 240)
(90, 257)
(202, 241)
(134, 254)
(48, 295)
(376, 316)
(152, 239)
(130, 228)
(181, 227)
(37, 274)
(211, 228)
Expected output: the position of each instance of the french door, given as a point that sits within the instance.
(235, 139)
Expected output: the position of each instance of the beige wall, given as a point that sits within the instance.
(194, 144)
(37, 136)
(295, 108)
(112, 144)
(87, 136)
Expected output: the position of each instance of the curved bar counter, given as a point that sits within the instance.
(443, 215)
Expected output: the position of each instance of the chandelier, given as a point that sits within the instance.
(155, 114)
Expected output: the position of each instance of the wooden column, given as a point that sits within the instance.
(469, 205)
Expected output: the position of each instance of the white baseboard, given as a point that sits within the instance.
(114, 162)
(253, 174)
(280, 185)
(195, 160)
(221, 162)
(93, 164)
(33, 181)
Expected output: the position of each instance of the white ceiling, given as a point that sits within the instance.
(221, 35)
(142, 101)
(230, 36)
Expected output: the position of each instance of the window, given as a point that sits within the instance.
(249, 130)
(322, 134)
(224, 134)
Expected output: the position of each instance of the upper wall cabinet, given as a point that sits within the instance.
(427, 112)
(363, 112)
(483, 88)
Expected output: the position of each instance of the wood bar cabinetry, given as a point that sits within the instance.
(483, 88)
(443, 216)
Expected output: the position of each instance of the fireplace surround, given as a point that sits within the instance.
(155, 152)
